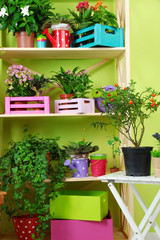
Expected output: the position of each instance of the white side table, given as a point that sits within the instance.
(150, 214)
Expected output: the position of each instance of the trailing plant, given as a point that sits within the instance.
(39, 82)
(24, 15)
(25, 164)
(73, 82)
(19, 81)
(156, 153)
(114, 143)
(81, 147)
(127, 109)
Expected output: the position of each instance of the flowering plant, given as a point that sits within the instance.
(156, 153)
(73, 82)
(127, 109)
(89, 15)
(24, 15)
(18, 81)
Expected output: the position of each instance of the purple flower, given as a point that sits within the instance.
(156, 135)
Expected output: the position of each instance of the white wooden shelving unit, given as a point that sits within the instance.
(122, 56)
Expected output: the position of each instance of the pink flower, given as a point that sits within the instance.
(18, 76)
(20, 81)
(24, 79)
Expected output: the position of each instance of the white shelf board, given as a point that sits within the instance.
(50, 115)
(74, 179)
(61, 53)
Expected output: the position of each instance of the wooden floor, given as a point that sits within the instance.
(117, 236)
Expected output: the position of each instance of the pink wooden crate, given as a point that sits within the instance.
(75, 105)
(82, 230)
(27, 105)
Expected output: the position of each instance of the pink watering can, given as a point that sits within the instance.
(61, 36)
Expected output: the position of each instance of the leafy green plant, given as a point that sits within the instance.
(40, 82)
(18, 81)
(114, 143)
(127, 109)
(156, 153)
(81, 147)
(24, 15)
(25, 163)
(73, 82)
(59, 18)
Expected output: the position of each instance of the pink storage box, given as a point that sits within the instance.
(27, 105)
(82, 230)
(75, 105)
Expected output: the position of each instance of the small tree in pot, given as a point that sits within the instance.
(24, 169)
(127, 109)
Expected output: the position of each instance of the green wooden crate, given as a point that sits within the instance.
(80, 205)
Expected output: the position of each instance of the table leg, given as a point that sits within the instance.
(125, 211)
(148, 212)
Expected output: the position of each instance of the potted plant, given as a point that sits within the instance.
(24, 169)
(76, 83)
(95, 23)
(61, 25)
(24, 19)
(20, 88)
(156, 156)
(78, 152)
(114, 143)
(127, 109)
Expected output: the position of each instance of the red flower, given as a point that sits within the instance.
(109, 95)
(116, 85)
(111, 99)
(102, 101)
(83, 140)
(130, 102)
(125, 88)
(153, 95)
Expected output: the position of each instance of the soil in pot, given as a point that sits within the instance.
(137, 160)
(114, 169)
(23, 40)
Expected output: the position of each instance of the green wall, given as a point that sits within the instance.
(144, 35)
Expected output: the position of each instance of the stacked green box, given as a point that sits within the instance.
(80, 205)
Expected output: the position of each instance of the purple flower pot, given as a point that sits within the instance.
(79, 165)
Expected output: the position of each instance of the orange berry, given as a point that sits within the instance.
(109, 95)
(151, 99)
(153, 104)
(111, 99)
(153, 95)
(83, 140)
(125, 88)
(116, 85)
(130, 102)
(157, 105)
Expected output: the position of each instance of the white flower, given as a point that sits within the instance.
(11, 87)
(25, 11)
(3, 12)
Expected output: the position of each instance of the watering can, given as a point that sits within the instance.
(79, 165)
(61, 36)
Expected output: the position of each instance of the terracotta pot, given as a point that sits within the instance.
(23, 40)
(156, 166)
(19, 109)
(66, 96)
(2, 197)
(112, 170)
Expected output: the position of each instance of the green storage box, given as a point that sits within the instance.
(80, 205)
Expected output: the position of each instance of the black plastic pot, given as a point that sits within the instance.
(137, 160)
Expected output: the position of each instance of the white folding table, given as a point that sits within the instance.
(151, 213)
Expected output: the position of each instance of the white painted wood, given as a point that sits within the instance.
(62, 53)
(51, 115)
(125, 211)
(120, 177)
(152, 236)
